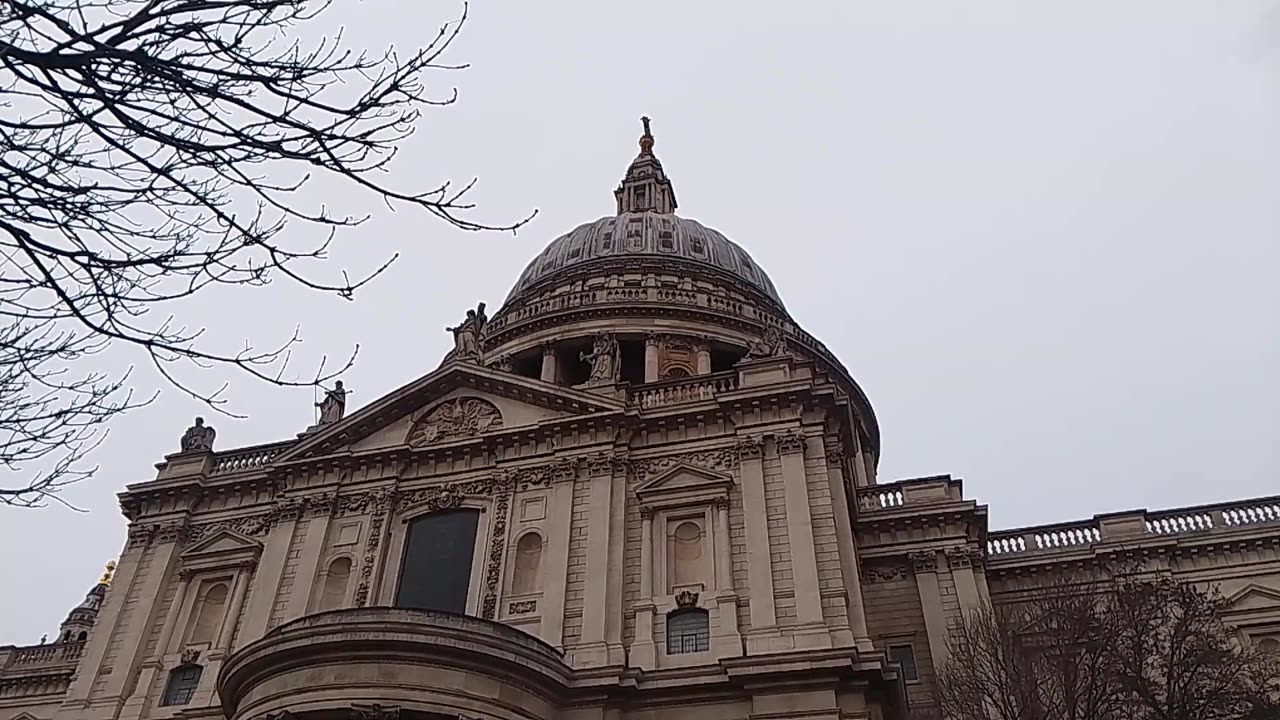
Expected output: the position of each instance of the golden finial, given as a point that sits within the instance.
(646, 140)
(107, 573)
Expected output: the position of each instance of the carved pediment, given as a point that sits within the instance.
(401, 417)
(223, 548)
(454, 419)
(684, 484)
(1254, 597)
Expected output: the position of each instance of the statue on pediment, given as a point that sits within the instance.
(334, 405)
(466, 335)
(198, 437)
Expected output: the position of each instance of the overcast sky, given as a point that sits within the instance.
(1043, 237)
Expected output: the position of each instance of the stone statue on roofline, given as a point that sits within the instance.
(466, 335)
(334, 404)
(198, 437)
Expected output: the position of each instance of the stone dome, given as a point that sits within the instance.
(649, 235)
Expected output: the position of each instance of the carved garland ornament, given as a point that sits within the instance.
(453, 419)
(721, 460)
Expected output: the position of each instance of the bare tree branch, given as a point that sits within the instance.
(153, 149)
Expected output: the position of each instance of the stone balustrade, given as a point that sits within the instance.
(1135, 525)
(913, 492)
(39, 656)
(38, 670)
(246, 459)
(685, 390)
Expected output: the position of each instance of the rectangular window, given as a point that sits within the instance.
(435, 573)
(905, 656)
(182, 685)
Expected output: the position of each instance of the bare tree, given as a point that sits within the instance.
(153, 149)
(1104, 649)
(1041, 658)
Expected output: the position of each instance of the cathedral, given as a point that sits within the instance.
(639, 491)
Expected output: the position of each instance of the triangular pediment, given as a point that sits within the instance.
(1254, 597)
(220, 543)
(684, 483)
(467, 401)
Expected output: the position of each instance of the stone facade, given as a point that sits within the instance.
(676, 514)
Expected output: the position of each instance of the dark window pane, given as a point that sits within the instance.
(688, 631)
(182, 684)
(436, 569)
(905, 656)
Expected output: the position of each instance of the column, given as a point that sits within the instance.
(848, 550)
(651, 358)
(724, 564)
(925, 566)
(726, 639)
(703, 357)
(759, 563)
(804, 561)
(549, 362)
(227, 633)
(643, 650)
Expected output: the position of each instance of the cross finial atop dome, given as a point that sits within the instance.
(645, 187)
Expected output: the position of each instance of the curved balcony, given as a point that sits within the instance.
(423, 663)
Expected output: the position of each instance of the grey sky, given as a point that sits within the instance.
(1042, 236)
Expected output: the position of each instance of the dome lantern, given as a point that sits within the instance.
(646, 187)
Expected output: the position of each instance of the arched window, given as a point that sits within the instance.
(208, 615)
(181, 685)
(686, 554)
(82, 636)
(435, 572)
(333, 595)
(524, 578)
(688, 630)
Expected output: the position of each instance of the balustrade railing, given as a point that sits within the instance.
(694, 389)
(1129, 526)
(35, 656)
(247, 459)
(878, 498)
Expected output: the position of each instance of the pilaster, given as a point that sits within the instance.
(309, 563)
(643, 650)
(804, 561)
(266, 584)
(764, 619)
(925, 566)
(556, 575)
(595, 649)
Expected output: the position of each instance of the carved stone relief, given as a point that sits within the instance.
(722, 460)
(872, 574)
(459, 418)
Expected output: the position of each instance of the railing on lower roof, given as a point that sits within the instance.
(684, 390)
(247, 459)
(47, 655)
(1128, 526)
